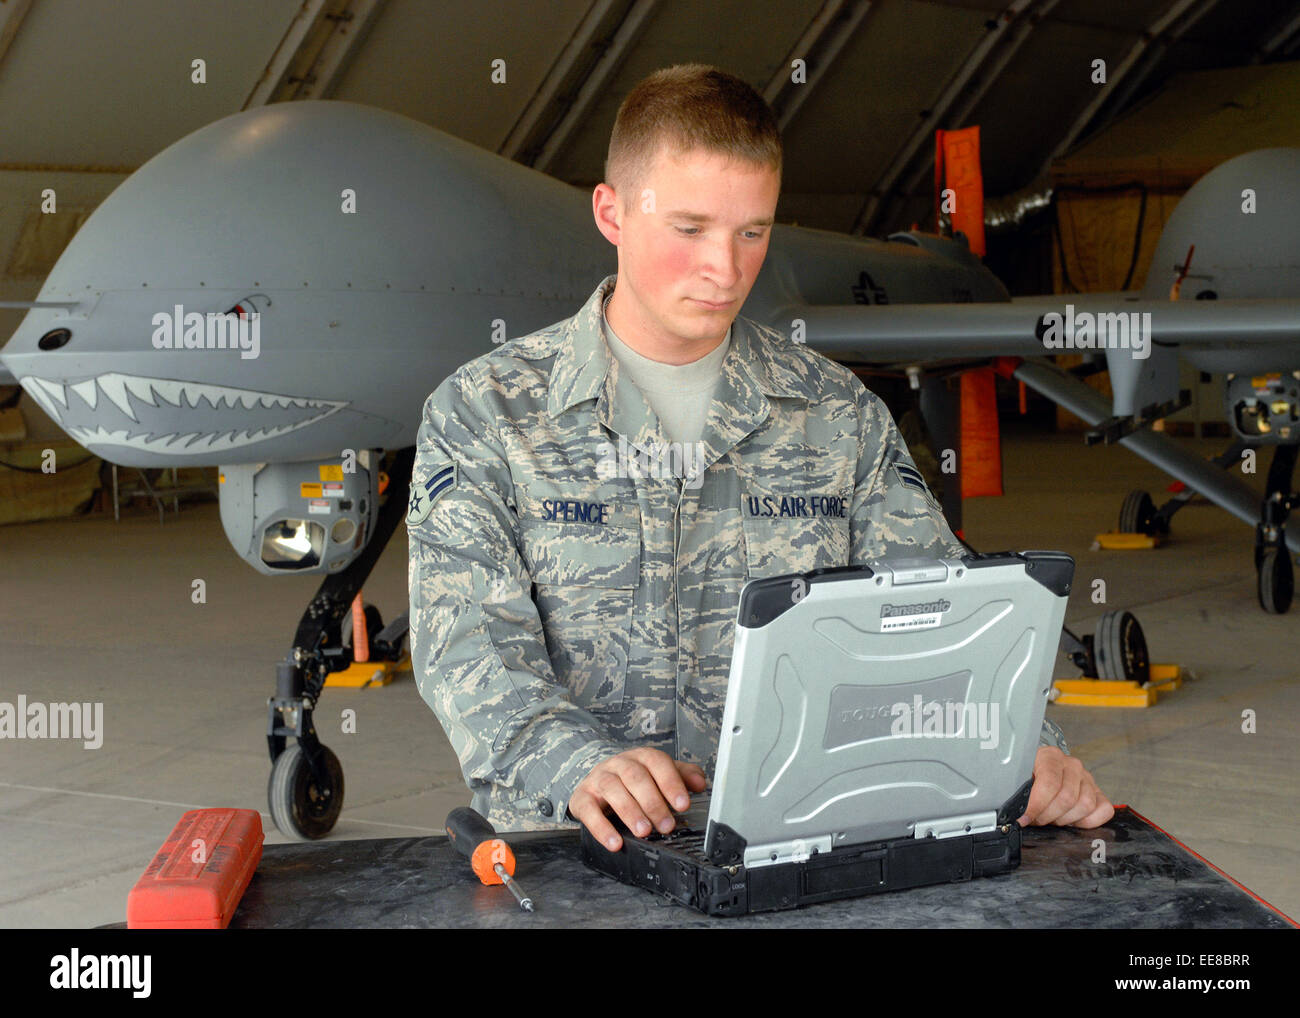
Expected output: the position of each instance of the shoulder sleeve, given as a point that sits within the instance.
(893, 512)
(477, 645)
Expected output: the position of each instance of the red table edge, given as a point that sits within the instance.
(1270, 907)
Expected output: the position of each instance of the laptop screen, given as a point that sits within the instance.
(899, 699)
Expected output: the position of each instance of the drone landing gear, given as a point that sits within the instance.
(384, 659)
(1141, 524)
(305, 789)
(1117, 651)
(1276, 581)
(1140, 515)
(1116, 667)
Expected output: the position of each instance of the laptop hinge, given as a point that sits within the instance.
(797, 850)
(951, 827)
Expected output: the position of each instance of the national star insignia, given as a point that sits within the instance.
(423, 496)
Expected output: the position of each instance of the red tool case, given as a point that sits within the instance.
(196, 879)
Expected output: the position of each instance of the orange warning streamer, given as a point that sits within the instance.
(957, 168)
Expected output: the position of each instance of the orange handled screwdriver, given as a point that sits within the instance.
(491, 858)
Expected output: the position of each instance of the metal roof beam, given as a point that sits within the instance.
(1023, 29)
(316, 47)
(1115, 76)
(277, 69)
(586, 37)
(1151, 58)
(346, 32)
(1274, 42)
(594, 85)
(818, 47)
(11, 16)
(983, 65)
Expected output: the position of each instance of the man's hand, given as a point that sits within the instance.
(639, 786)
(1064, 793)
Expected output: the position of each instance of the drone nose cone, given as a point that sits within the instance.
(1239, 224)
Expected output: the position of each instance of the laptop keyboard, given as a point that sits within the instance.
(688, 837)
(688, 841)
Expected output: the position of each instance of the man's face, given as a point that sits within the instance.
(690, 244)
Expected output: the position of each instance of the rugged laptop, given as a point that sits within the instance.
(879, 732)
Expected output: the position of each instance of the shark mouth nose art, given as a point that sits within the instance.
(166, 415)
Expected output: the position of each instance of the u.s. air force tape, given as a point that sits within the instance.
(425, 493)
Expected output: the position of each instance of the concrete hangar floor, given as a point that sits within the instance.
(98, 611)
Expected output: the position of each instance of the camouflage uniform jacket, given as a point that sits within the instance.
(562, 610)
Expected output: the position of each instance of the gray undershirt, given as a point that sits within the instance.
(679, 394)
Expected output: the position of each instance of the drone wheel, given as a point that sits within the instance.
(1138, 515)
(1276, 580)
(301, 808)
(1121, 649)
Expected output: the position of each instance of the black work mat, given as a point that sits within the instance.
(1148, 881)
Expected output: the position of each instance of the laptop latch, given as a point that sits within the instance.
(903, 571)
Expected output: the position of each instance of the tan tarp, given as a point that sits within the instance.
(26, 496)
(1097, 233)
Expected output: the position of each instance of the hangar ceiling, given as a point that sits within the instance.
(90, 89)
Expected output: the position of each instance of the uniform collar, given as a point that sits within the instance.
(585, 369)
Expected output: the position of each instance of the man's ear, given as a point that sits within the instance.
(606, 209)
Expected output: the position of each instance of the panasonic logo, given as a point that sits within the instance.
(890, 611)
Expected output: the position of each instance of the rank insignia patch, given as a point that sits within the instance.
(911, 477)
(424, 495)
